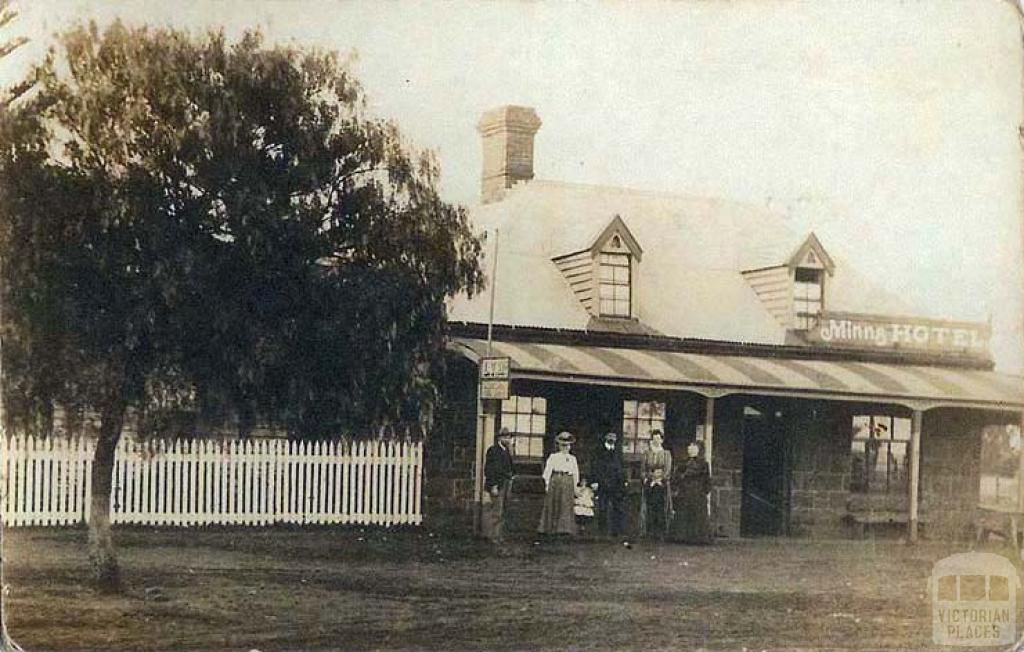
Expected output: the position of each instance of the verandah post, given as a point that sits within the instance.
(1014, 521)
(709, 427)
(1020, 466)
(486, 420)
(915, 473)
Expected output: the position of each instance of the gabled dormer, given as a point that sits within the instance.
(603, 276)
(795, 290)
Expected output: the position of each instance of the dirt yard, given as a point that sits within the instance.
(276, 589)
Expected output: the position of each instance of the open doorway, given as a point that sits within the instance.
(765, 499)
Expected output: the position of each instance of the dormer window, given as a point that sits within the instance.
(604, 275)
(615, 284)
(793, 290)
(807, 297)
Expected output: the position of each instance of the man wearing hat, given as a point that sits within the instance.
(497, 480)
(609, 481)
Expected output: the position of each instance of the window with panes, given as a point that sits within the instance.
(880, 454)
(526, 418)
(639, 420)
(807, 302)
(614, 291)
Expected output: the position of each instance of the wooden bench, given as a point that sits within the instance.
(881, 517)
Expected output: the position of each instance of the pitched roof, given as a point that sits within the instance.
(688, 284)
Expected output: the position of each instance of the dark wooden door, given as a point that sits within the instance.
(765, 502)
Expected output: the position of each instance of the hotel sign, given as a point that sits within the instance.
(494, 378)
(855, 330)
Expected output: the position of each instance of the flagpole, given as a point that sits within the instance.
(483, 409)
(494, 282)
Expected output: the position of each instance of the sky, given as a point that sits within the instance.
(890, 129)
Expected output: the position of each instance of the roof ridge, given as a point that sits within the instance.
(525, 186)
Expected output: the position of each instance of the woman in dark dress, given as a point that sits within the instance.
(690, 524)
(656, 499)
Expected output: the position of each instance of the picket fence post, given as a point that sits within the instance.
(185, 483)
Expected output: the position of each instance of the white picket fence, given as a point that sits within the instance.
(244, 482)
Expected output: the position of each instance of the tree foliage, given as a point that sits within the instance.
(225, 220)
(187, 220)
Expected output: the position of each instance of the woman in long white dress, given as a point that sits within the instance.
(561, 475)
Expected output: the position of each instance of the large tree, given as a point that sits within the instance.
(184, 216)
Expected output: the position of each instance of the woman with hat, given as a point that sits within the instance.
(690, 524)
(656, 499)
(561, 475)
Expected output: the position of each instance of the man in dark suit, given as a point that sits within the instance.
(497, 481)
(608, 476)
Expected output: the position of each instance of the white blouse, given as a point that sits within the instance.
(564, 463)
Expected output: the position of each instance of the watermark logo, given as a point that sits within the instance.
(974, 600)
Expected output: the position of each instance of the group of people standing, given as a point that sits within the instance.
(673, 502)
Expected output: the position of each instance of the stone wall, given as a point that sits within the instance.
(950, 480)
(727, 467)
(819, 468)
(449, 451)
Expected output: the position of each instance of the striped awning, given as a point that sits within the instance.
(918, 387)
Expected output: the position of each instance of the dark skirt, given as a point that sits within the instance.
(558, 516)
(690, 524)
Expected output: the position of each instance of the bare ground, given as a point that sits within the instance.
(346, 589)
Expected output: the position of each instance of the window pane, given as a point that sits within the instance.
(607, 291)
(629, 408)
(520, 445)
(902, 429)
(540, 405)
(627, 446)
(523, 423)
(539, 424)
(621, 309)
(607, 273)
(509, 405)
(878, 457)
(537, 447)
(643, 429)
(621, 275)
(622, 293)
(860, 426)
(807, 275)
(645, 410)
(898, 451)
(658, 411)
(629, 429)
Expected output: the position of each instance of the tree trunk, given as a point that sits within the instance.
(101, 543)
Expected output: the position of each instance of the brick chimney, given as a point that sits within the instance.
(506, 134)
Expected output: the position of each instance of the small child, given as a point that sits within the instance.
(583, 505)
